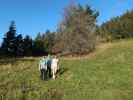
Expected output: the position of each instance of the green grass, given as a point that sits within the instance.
(106, 74)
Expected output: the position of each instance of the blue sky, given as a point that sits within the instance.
(33, 16)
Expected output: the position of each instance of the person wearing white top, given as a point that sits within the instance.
(43, 69)
(54, 66)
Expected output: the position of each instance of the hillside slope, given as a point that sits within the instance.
(106, 74)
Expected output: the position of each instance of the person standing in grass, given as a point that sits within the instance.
(49, 60)
(43, 68)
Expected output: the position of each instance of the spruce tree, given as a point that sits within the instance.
(38, 46)
(9, 40)
(27, 46)
(20, 45)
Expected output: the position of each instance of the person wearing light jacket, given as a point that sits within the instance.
(43, 69)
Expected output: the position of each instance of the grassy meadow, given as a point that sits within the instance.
(106, 74)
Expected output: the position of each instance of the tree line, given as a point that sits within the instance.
(119, 27)
(77, 33)
(16, 45)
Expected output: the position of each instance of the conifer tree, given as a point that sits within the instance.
(9, 40)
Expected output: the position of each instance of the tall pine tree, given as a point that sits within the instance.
(9, 40)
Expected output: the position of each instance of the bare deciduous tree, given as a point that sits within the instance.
(76, 32)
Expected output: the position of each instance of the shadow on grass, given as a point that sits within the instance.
(61, 71)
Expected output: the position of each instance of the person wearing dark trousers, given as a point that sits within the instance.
(43, 74)
(48, 60)
(49, 68)
(43, 69)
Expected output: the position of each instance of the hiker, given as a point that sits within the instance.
(48, 66)
(54, 66)
(48, 60)
(43, 69)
